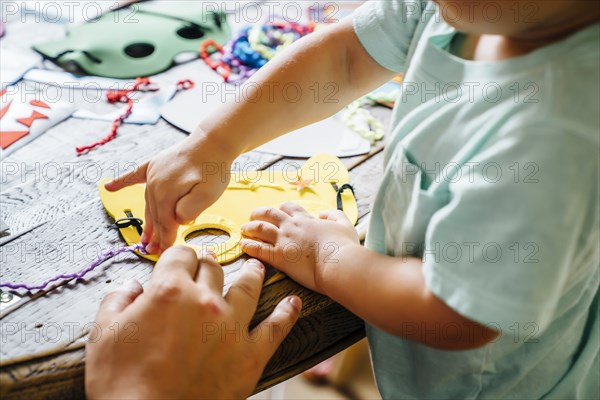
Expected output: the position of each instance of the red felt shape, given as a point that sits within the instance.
(5, 109)
(8, 138)
(39, 103)
(29, 121)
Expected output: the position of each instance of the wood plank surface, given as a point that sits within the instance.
(46, 185)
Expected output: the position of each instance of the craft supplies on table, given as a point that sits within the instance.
(75, 275)
(77, 236)
(72, 81)
(150, 106)
(320, 184)
(248, 51)
(25, 115)
(146, 44)
(387, 93)
(251, 48)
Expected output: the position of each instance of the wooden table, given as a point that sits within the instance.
(46, 183)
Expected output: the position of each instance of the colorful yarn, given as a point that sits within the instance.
(251, 49)
(123, 96)
(362, 121)
(385, 98)
(67, 277)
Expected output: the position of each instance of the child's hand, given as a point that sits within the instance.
(182, 181)
(298, 244)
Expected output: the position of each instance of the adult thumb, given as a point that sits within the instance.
(118, 300)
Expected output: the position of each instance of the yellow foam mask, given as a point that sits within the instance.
(321, 184)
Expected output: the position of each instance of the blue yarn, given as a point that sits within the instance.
(245, 53)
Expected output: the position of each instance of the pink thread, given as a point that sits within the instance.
(67, 277)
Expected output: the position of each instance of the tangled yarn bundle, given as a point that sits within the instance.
(252, 48)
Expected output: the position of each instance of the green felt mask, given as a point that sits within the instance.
(136, 41)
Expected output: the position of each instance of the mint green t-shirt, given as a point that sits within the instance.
(492, 177)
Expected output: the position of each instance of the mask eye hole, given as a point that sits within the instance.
(207, 236)
(139, 50)
(190, 32)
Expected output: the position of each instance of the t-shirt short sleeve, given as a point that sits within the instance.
(386, 28)
(502, 250)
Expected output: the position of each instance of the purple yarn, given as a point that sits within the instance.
(67, 277)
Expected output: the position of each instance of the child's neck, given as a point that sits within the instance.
(497, 47)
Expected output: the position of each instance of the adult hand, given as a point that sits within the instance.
(180, 337)
(181, 182)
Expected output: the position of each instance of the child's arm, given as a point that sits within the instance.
(393, 296)
(388, 292)
(328, 68)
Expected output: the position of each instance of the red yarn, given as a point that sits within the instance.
(185, 84)
(219, 67)
(122, 96)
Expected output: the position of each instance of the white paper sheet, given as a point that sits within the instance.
(329, 136)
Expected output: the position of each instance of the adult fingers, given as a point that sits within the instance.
(117, 300)
(261, 230)
(210, 272)
(177, 261)
(131, 178)
(293, 209)
(243, 294)
(269, 214)
(270, 332)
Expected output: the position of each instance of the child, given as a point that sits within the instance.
(484, 233)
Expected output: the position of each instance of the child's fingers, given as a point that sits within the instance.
(148, 227)
(335, 215)
(167, 234)
(293, 209)
(263, 251)
(154, 245)
(148, 236)
(191, 205)
(261, 230)
(136, 176)
(269, 214)
(163, 211)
